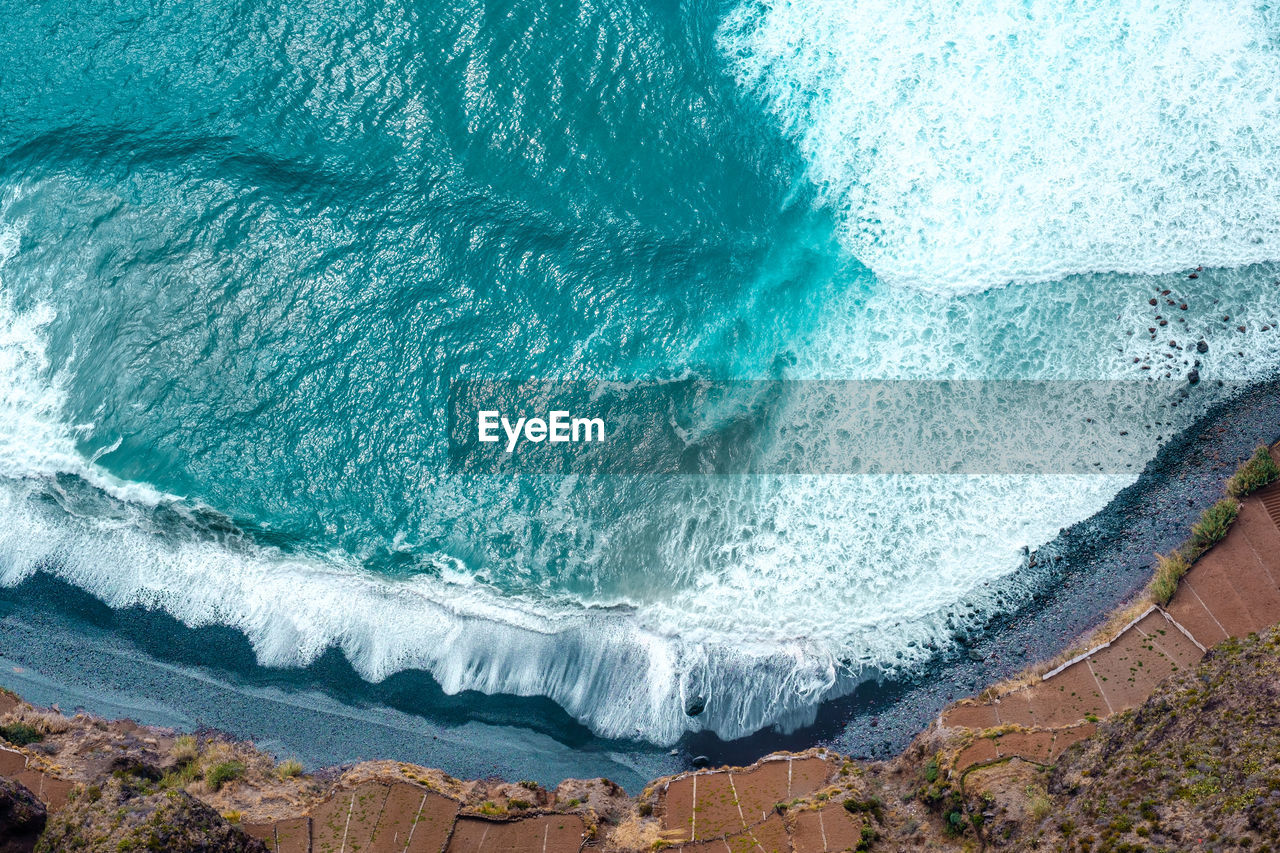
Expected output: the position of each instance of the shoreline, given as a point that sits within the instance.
(985, 758)
(1090, 569)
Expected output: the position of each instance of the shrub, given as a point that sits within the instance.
(1255, 473)
(1169, 570)
(289, 768)
(185, 749)
(221, 774)
(232, 816)
(181, 777)
(873, 806)
(520, 804)
(21, 734)
(1214, 524)
(1038, 803)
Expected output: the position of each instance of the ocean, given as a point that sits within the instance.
(249, 248)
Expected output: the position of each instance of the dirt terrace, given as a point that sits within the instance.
(1231, 591)
(737, 810)
(401, 817)
(713, 810)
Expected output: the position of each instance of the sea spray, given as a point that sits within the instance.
(965, 144)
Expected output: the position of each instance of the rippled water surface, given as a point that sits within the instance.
(247, 247)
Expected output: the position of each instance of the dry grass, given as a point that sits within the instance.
(185, 749)
(45, 722)
(289, 768)
(1106, 632)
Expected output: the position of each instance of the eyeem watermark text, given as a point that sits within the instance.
(559, 427)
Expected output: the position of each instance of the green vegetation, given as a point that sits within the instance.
(873, 806)
(221, 774)
(21, 734)
(520, 804)
(1213, 525)
(1257, 472)
(1211, 529)
(1038, 803)
(183, 776)
(1169, 570)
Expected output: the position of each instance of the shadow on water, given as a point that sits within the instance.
(229, 653)
(65, 646)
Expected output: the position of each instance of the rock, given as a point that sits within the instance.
(976, 656)
(124, 816)
(1152, 301)
(701, 761)
(22, 818)
(601, 796)
(1193, 376)
(696, 705)
(1202, 346)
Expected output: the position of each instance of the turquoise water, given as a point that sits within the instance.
(247, 247)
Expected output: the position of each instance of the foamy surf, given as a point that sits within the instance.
(625, 672)
(969, 144)
(819, 583)
(626, 669)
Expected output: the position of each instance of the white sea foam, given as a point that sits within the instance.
(625, 670)
(968, 143)
(818, 581)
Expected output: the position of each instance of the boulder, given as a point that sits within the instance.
(22, 818)
(128, 815)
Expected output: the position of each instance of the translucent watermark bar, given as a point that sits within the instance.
(701, 427)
